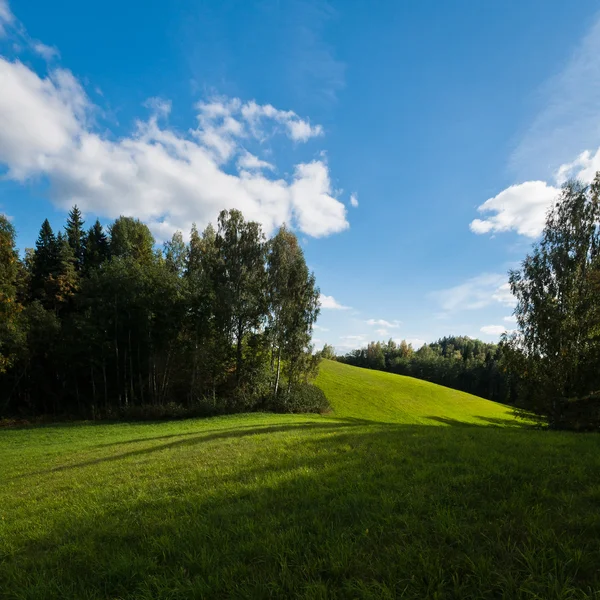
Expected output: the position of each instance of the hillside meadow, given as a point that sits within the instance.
(405, 490)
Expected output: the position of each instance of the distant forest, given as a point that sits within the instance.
(97, 323)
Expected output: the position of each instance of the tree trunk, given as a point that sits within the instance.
(278, 370)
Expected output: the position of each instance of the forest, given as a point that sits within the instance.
(97, 323)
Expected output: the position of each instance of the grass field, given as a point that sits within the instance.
(406, 490)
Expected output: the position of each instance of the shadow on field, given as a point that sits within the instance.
(486, 421)
(193, 438)
(345, 510)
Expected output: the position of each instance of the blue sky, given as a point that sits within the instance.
(413, 146)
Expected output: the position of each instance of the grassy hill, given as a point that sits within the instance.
(376, 500)
(384, 397)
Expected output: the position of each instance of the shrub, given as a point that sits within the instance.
(301, 398)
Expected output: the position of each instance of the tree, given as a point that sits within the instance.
(175, 253)
(76, 236)
(328, 352)
(96, 247)
(44, 262)
(558, 336)
(9, 308)
(240, 281)
(131, 238)
(294, 305)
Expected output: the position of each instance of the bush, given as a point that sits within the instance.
(580, 414)
(301, 398)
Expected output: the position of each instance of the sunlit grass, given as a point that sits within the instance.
(349, 505)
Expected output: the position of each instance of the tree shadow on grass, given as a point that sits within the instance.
(375, 513)
(198, 438)
(486, 422)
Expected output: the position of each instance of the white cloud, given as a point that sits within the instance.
(382, 332)
(250, 162)
(164, 177)
(354, 200)
(520, 207)
(296, 128)
(46, 52)
(495, 330)
(159, 106)
(476, 293)
(510, 319)
(384, 323)
(319, 328)
(6, 17)
(329, 302)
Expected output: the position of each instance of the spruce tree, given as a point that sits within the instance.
(96, 247)
(44, 261)
(76, 235)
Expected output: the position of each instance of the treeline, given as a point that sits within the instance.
(97, 323)
(461, 363)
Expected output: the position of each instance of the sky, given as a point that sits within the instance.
(414, 147)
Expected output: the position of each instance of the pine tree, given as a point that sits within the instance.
(76, 236)
(44, 261)
(96, 248)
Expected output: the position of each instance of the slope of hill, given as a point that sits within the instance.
(385, 397)
(299, 506)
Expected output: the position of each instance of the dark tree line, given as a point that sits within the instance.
(101, 323)
(459, 362)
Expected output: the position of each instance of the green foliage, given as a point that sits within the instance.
(300, 398)
(130, 238)
(76, 236)
(557, 348)
(96, 247)
(129, 331)
(9, 307)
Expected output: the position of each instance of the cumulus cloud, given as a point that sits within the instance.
(383, 323)
(510, 319)
(354, 200)
(476, 293)
(495, 330)
(329, 302)
(521, 208)
(382, 332)
(160, 175)
(319, 328)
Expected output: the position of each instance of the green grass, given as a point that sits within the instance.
(378, 500)
(383, 397)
